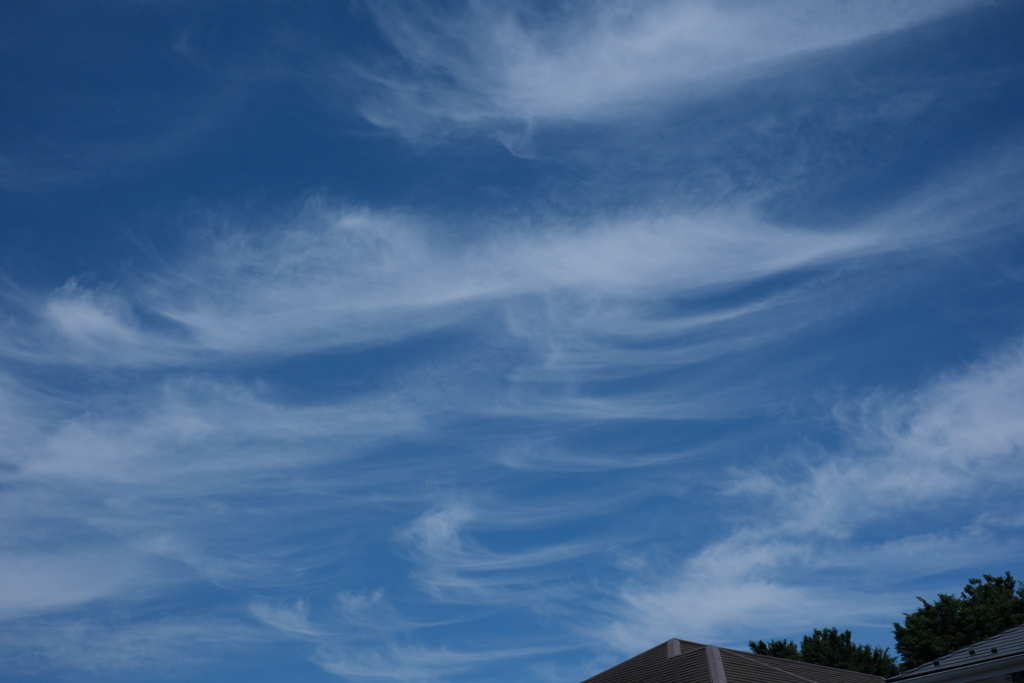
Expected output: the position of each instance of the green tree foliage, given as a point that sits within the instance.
(786, 649)
(985, 608)
(829, 647)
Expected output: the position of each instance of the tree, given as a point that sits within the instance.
(829, 647)
(984, 608)
(784, 649)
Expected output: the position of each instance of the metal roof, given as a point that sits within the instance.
(682, 661)
(1002, 646)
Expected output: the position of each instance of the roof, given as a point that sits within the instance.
(1005, 646)
(682, 661)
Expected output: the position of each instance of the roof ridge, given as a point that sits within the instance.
(715, 667)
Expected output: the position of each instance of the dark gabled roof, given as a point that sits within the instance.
(1007, 644)
(682, 661)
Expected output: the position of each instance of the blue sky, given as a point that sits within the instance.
(482, 341)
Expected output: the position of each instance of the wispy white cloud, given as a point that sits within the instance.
(190, 427)
(949, 441)
(292, 618)
(759, 583)
(354, 277)
(594, 298)
(544, 458)
(337, 278)
(371, 612)
(57, 647)
(118, 495)
(456, 567)
(91, 317)
(728, 589)
(40, 582)
(414, 663)
(946, 444)
(367, 637)
(484, 67)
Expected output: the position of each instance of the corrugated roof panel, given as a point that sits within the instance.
(1006, 644)
(746, 667)
(655, 666)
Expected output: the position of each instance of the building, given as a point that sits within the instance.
(680, 661)
(999, 659)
